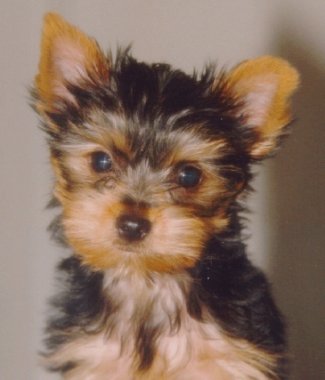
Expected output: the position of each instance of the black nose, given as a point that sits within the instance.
(132, 227)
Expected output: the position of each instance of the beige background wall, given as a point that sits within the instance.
(289, 232)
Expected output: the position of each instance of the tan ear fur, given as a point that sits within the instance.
(264, 86)
(67, 56)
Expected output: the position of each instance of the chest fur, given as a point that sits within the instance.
(148, 334)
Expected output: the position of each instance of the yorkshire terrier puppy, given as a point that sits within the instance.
(151, 166)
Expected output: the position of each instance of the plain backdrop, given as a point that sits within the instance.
(288, 222)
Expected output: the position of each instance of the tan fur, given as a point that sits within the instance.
(189, 145)
(90, 228)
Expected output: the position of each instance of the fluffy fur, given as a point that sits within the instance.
(151, 165)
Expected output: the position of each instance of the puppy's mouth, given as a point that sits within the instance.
(131, 248)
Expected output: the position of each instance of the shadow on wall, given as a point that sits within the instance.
(297, 188)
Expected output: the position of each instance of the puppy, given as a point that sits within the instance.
(151, 167)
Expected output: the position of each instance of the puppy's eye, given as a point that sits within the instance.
(101, 162)
(189, 176)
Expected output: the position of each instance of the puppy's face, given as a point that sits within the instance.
(149, 161)
(130, 196)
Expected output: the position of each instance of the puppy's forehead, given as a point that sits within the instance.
(158, 142)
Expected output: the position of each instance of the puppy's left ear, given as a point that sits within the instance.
(263, 87)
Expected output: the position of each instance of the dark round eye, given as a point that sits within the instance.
(189, 176)
(101, 162)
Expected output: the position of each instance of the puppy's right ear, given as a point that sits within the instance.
(68, 57)
(263, 88)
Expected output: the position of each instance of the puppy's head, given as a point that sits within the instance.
(148, 160)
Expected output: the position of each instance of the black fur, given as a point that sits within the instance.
(80, 302)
